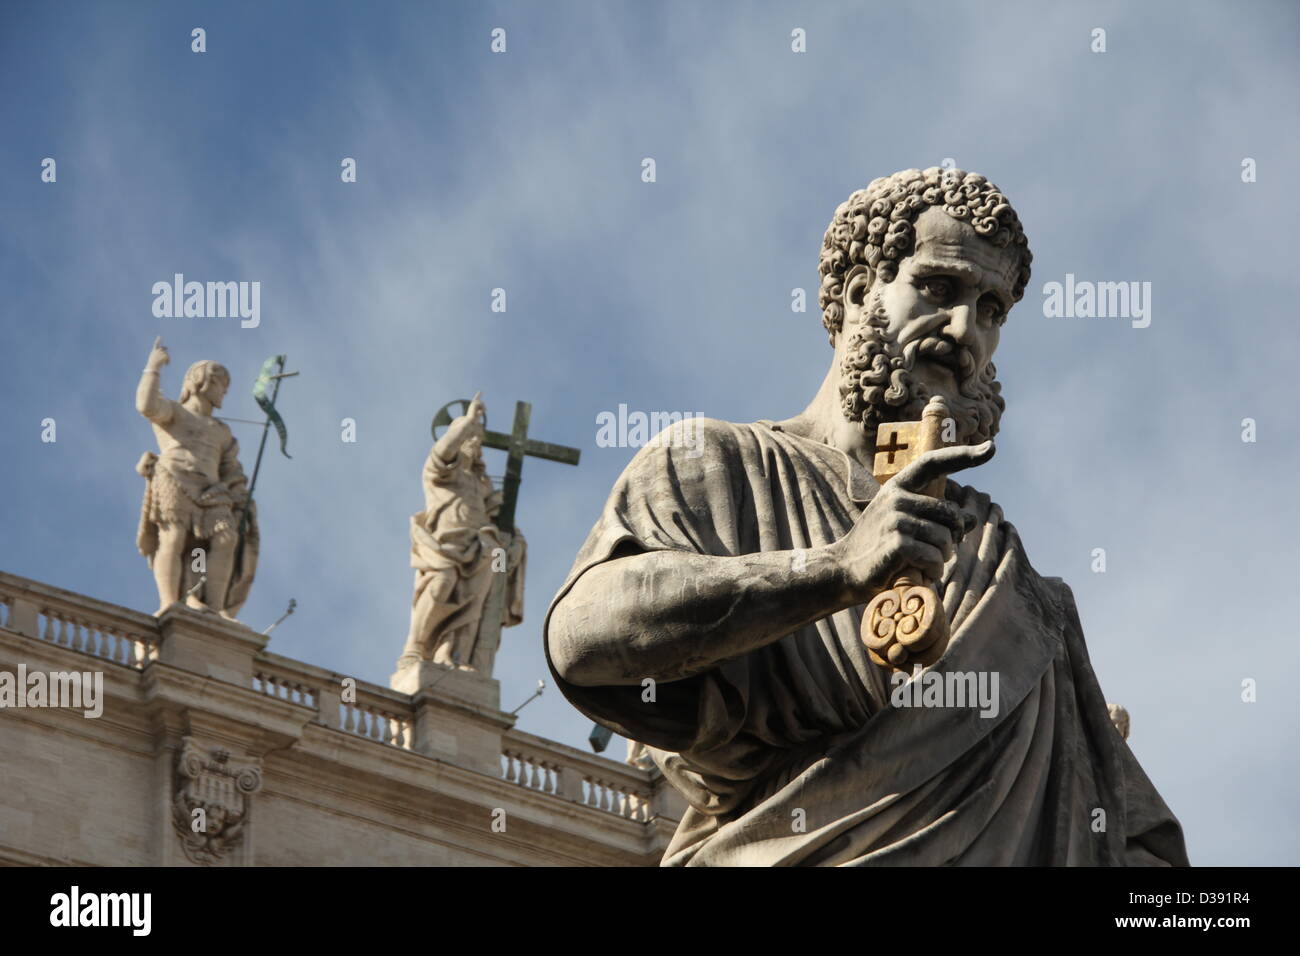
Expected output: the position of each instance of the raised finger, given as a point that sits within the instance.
(942, 461)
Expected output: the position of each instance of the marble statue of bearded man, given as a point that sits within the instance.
(731, 566)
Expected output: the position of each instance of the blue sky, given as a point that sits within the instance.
(522, 171)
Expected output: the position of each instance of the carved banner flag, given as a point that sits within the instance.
(271, 370)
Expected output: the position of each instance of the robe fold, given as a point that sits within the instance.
(792, 754)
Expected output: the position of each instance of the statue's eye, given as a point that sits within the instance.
(990, 309)
(940, 287)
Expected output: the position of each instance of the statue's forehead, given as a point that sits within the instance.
(942, 241)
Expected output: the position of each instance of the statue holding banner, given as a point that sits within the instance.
(196, 498)
(457, 551)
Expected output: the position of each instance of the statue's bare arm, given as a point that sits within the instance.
(149, 399)
(669, 615)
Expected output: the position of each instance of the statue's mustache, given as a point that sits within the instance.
(946, 351)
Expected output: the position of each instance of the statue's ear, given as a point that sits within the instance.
(857, 283)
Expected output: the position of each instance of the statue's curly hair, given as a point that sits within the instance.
(199, 374)
(874, 228)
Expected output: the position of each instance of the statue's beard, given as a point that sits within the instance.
(877, 383)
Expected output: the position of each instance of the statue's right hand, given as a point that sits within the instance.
(158, 356)
(475, 410)
(902, 528)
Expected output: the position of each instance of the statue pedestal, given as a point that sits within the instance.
(466, 687)
(458, 715)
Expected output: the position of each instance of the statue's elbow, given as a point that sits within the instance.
(570, 648)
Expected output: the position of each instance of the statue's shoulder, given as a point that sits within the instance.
(696, 437)
(691, 451)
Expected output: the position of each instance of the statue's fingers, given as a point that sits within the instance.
(927, 532)
(157, 341)
(926, 557)
(932, 509)
(942, 461)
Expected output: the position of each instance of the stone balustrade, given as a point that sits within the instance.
(78, 622)
(448, 725)
(597, 782)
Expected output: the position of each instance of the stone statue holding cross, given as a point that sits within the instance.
(457, 549)
(468, 556)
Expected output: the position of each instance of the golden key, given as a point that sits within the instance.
(905, 624)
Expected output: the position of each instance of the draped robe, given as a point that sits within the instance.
(805, 723)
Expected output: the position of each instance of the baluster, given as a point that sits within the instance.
(351, 724)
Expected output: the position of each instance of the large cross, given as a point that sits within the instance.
(516, 444)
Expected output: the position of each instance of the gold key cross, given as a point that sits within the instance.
(905, 624)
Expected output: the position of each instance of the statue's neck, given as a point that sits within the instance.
(198, 405)
(823, 420)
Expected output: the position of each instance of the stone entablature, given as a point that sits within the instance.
(347, 772)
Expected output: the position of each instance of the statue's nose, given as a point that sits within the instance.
(960, 326)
